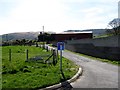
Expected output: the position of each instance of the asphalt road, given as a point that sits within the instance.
(96, 74)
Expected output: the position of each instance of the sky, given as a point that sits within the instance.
(55, 15)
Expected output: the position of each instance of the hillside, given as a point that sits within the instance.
(21, 35)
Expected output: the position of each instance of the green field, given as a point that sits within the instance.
(32, 74)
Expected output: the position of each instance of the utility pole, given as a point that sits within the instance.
(43, 38)
(119, 9)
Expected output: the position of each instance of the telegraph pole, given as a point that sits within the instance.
(43, 38)
(119, 9)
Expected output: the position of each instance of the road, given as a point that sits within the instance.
(96, 74)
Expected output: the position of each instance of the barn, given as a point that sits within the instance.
(62, 37)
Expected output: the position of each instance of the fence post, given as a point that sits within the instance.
(40, 46)
(47, 48)
(54, 57)
(27, 55)
(57, 55)
(61, 58)
(36, 44)
(9, 54)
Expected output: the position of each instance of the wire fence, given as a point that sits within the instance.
(51, 58)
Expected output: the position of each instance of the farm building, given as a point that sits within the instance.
(62, 37)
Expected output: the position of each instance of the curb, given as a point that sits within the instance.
(69, 81)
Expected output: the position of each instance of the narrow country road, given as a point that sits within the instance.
(96, 74)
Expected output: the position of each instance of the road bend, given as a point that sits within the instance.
(96, 74)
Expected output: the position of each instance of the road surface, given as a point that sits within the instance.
(96, 74)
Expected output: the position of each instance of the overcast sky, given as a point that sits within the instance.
(55, 15)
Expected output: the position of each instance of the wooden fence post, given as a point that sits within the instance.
(47, 48)
(36, 44)
(54, 57)
(27, 55)
(57, 55)
(40, 46)
(9, 54)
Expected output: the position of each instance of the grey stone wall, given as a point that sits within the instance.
(119, 41)
(107, 42)
(108, 48)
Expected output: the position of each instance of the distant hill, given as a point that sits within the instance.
(21, 35)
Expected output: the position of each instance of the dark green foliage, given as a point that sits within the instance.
(45, 37)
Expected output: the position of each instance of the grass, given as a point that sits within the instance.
(0, 67)
(114, 62)
(33, 74)
(103, 36)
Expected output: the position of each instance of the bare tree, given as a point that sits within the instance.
(115, 27)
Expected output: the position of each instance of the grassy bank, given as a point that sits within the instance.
(33, 74)
(103, 60)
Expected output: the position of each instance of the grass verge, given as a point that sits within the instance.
(33, 74)
(114, 62)
(0, 68)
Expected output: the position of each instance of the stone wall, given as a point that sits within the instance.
(108, 48)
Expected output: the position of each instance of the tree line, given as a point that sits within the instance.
(45, 37)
